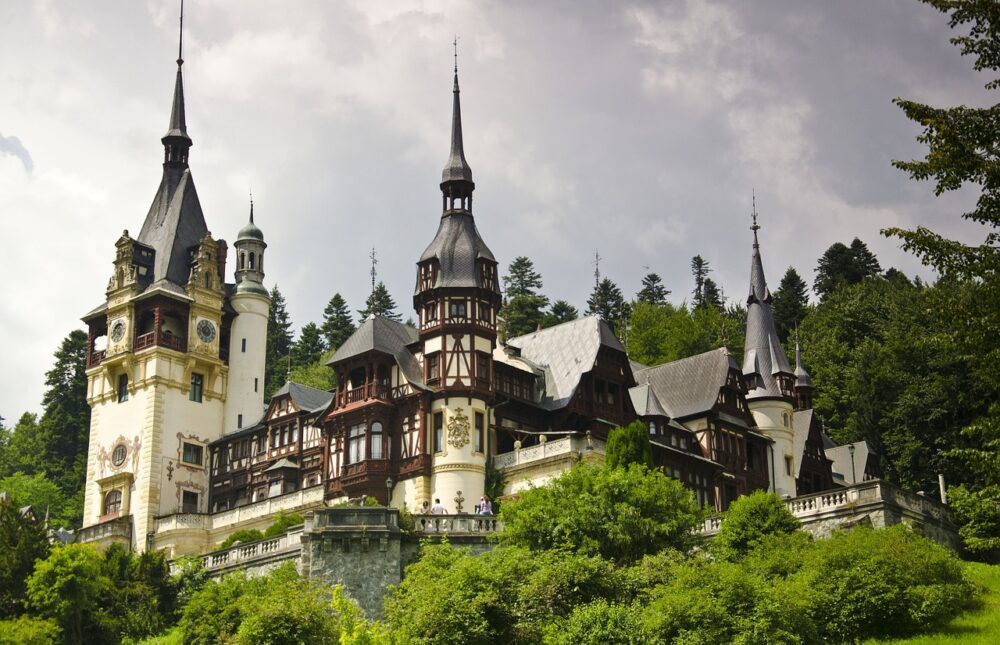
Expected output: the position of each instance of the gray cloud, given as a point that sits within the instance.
(13, 146)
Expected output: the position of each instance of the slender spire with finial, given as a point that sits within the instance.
(176, 141)
(753, 214)
(456, 180)
(251, 206)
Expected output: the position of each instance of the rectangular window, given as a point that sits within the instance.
(197, 384)
(376, 449)
(255, 384)
(431, 313)
(788, 465)
(456, 309)
(438, 431)
(239, 420)
(355, 443)
(483, 367)
(122, 387)
(433, 367)
(480, 432)
(243, 346)
(192, 454)
(189, 502)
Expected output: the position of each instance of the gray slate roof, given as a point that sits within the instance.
(763, 355)
(691, 385)
(173, 225)
(841, 458)
(385, 335)
(801, 421)
(457, 168)
(566, 352)
(645, 403)
(306, 398)
(802, 377)
(457, 246)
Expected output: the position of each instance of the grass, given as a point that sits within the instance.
(981, 625)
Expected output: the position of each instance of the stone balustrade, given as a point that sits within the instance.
(457, 524)
(118, 529)
(300, 499)
(546, 449)
(283, 547)
(876, 503)
(179, 521)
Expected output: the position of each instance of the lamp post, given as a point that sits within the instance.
(388, 492)
(854, 471)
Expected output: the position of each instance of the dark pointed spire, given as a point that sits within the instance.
(456, 179)
(802, 377)
(764, 360)
(176, 141)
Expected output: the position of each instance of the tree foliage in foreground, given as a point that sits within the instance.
(617, 513)
(629, 445)
(749, 521)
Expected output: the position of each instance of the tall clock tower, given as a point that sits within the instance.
(158, 362)
(456, 299)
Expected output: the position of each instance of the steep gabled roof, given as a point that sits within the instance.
(690, 386)
(841, 458)
(381, 334)
(645, 403)
(173, 225)
(305, 398)
(763, 356)
(801, 424)
(566, 352)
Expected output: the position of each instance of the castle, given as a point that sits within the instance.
(184, 450)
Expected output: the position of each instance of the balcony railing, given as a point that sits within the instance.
(546, 449)
(119, 529)
(96, 356)
(457, 524)
(245, 554)
(364, 392)
(170, 341)
(846, 501)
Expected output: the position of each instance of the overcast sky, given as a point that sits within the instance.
(634, 129)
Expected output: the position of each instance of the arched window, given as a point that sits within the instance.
(376, 449)
(252, 258)
(243, 260)
(112, 502)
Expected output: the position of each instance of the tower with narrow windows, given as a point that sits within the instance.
(456, 299)
(770, 380)
(164, 348)
(248, 335)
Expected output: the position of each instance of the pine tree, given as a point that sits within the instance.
(560, 312)
(337, 324)
(653, 292)
(279, 343)
(843, 265)
(64, 429)
(607, 301)
(791, 302)
(521, 278)
(700, 271)
(309, 347)
(711, 295)
(380, 303)
(524, 310)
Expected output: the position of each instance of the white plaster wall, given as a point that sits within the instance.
(244, 367)
(457, 468)
(774, 419)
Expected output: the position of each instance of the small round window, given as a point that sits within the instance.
(118, 455)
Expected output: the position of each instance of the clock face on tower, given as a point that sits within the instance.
(206, 330)
(118, 330)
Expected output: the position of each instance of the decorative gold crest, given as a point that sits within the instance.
(458, 429)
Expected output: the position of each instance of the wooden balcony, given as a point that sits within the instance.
(152, 339)
(366, 392)
(95, 357)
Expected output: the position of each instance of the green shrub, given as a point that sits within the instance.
(978, 517)
(749, 520)
(282, 522)
(880, 583)
(629, 445)
(600, 622)
(620, 514)
(243, 536)
(28, 630)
